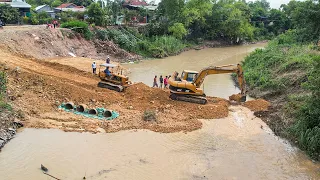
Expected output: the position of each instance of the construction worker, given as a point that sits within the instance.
(94, 67)
(108, 73)
(108, 60)
(161, 81)
(155, 83)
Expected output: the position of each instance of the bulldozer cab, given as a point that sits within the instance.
(188, 75)
(115, 74)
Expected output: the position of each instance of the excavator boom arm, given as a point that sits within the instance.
(221, 70)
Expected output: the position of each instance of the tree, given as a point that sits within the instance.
(85, 3)
(178, 30)
(278, 22)
(229, 22)
(96, 14)
(56, 3)
(171, 9)
(8, 14)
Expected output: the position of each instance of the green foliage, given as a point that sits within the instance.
(171, 9)
(287, 66)
(96, 14)
(230, 21)
(3, 88)
(8, 14)
(56, 3)
(130, 40)
(178, 30)
(307, 127)
(154, 29)
(78, 26)
(38, 18)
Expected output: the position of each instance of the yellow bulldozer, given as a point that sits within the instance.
(187, 87)
(112, 77)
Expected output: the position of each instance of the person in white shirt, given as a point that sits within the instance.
(94, 67)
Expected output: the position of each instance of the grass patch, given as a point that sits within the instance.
(149, 115)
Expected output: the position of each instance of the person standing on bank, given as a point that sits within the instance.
(94, 67)
(161, 81)
(155, 83)
(108, 60)
(165, 82)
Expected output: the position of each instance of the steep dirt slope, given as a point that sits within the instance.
(42, 43)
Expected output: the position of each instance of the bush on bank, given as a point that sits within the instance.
(289, 70)
(155, 46)
(3, 88)
(78, 26)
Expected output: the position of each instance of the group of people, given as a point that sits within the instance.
(163, 82)
(94, 67)
(54, 24)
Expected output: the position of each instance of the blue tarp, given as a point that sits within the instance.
(85, 113)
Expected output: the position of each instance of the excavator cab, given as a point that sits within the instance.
(189, 75)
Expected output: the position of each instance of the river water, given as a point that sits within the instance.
(240, 146)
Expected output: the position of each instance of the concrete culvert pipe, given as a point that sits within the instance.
(81, 108)
(69, 105)
(93, 112)
(107, 113)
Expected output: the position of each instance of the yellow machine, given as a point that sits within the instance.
(112, 77)
(187, 87)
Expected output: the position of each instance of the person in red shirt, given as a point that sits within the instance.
(165, 81)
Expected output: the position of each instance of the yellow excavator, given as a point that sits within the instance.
(112, 77)
(187, 87)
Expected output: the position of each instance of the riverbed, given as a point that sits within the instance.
(240, 146)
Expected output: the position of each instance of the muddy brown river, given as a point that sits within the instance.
(240, 146)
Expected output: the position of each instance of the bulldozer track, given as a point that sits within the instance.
(110, 86)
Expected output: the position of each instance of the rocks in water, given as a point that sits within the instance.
(2, 142)
(6, 135)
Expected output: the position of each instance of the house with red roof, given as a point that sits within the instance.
(70, 7)
(136, 3)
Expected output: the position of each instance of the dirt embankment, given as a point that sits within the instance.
(37, 87)
(41, 43)
(39, 83)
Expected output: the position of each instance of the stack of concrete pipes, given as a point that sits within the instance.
(82, 108)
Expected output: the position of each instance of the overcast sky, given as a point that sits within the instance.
(273, 3)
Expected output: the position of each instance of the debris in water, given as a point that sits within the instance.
(43, 168)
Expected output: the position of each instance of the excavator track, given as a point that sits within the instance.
(110, 86)
(188, 98)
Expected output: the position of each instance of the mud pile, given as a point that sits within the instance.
(257, 105)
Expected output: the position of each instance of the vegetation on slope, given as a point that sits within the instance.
(3, 86)
(287, 73)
